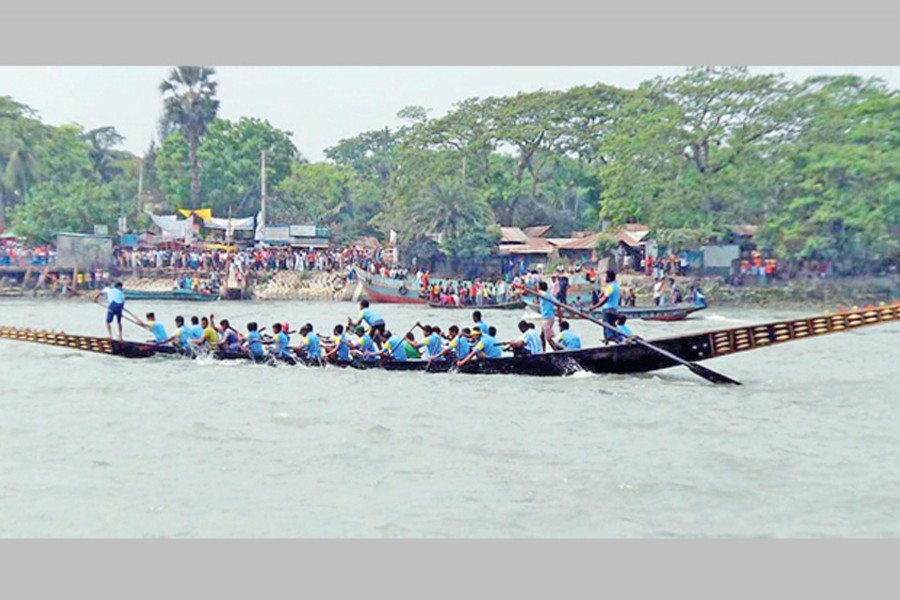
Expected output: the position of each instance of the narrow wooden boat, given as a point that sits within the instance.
(615, 358)
(188, 295)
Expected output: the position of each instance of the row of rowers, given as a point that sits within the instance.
(365, 339)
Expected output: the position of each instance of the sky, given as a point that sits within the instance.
(318, 105)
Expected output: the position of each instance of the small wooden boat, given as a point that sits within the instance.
(188, 295)
(615, 358)
(501, 306)
(387, 290)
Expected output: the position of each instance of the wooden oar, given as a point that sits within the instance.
(704, 372)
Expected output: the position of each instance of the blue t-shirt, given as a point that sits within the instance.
(396, 347)
(282, 341)
(195, 331)
(548, 309)
(489, 346)
(461, 345)
(343, 352)
(370, 316)
(612, 296)
(114, 295)
(313, 349)
(184, 334)
(368, 348)
(532, 341)
(433, 344)
(482, 327)
(159, 331)
(569, 340)
(254, 340)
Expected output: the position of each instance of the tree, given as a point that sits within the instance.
(21, 136)
(230, 153)
(189, 105)
(103, 156)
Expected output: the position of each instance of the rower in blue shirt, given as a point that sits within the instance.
(253, 343)
(485, 347)
(156, 328)
(529, 342)
(309, 343)
(394, 347)
(459, 344)
(367, 347)
(115, 297)
(339, 348)
(432, 341)
(567, 339)
(479, 324)
(281, 344)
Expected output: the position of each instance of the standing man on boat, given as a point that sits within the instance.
(549, 312)
(116, 299)
(374, 320)
(609, 301)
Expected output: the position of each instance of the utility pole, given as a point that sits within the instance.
(262, 177)
(140, 194)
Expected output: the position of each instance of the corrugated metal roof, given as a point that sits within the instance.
(577, 243)
(512, 235)
(536, 230)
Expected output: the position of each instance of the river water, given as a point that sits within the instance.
(100, 446)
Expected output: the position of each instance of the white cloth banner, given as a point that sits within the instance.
(236, 224)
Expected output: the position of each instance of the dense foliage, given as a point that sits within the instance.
(815, 164)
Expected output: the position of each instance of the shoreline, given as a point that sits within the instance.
(332, 287)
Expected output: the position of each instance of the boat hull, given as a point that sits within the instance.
(170, 295)
(675, 312)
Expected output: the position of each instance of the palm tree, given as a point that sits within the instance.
(100, 149)
(189, 105)
(447, 209)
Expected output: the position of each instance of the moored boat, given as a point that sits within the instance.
(615, 358)
(672, 312)
(499, 306)
(388, 290)
(176, 294)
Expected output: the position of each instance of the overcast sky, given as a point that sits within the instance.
(319, 105)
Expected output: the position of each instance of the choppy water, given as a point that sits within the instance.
(98, 446)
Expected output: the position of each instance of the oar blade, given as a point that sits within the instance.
(711, 375)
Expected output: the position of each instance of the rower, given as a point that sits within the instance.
(431, 341)
(479, 324)
(485, 347)
(253, 343)
(156, 328)
(567, 339)
(195, 330)
(529, 342)
(394, 347)
(229, 339)
(180, 338)
(609, 300)
(374, 320)
(367, 348)
(209, 338)
(309, 343)
(412, 347)
(459, 344)
(281, 345)
(620, 323)
(116, 303)
(339, 345)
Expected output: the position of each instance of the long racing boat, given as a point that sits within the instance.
(628, 357)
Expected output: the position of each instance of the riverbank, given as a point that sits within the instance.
(333, 286)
